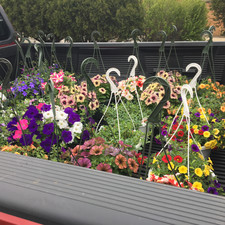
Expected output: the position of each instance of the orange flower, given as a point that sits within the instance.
(133, 165)
(121, 161)
(218, 83)
(210, 80)
(222, 108)
(202, 86)
(209, 111)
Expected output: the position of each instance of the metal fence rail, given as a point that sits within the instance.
(116, 54)
(54, 193)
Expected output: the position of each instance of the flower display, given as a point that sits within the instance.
(99, 155)
(175, 172)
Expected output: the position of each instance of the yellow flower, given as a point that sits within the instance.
(80, 98)
(206, 134)
(172, 165)
(213, 143)
(102, 90)
(214, 120)
(207, 145)
(196, 131)
(206, 171)
(210, 161)
(182, 169)
(201, 189)
(198, 172)
(195, 127)
(154, 160)
(216, 131)
(190, 141)
(197, 185)
(201, 156)
(202, 117)
(17, 153)
(97, 83)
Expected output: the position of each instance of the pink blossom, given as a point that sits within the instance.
(18, 134)
(39, 106)
(23, 123)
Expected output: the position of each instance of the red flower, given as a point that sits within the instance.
(141, 161)
(139, 83)
(137, 154)
(181, 127)
(192, 130)
(174, 138)
(174, 126)
(180, 133)
(164, 127)
(164, 159)
(200, 132)
(178, 158)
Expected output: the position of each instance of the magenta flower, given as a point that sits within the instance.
(84, 162)
(104, 167)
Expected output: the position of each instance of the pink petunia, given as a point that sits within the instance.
(23, 123)
(18, 134)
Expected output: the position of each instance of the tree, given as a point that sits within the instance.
(218, 6)
(189, 16)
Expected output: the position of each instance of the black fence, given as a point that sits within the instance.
(116, 55)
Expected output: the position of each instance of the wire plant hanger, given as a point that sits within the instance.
(97, 53)
(207, 52)
(135, 51)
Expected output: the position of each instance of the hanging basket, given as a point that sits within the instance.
(205, 152)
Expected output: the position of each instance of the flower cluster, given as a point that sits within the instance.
(128, 87)
(155, 92)
(41, 128)
(201, 133)
(27, 86)
(96, 154)
(201, 178)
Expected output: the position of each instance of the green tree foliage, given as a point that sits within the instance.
(114, 19)
(218, 6)
(189, 16)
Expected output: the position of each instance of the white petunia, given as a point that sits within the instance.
(48, 114)
(60, 115)
(77, 127)
(62, 124)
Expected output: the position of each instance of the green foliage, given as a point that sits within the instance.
(189, 16)
(76, 18)
(218, 6)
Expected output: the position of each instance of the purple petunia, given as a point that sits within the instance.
(48, 128)
(26, 139)
(46, 108)
(212, 114)
(164, 132)
(73, 117)
(66, 136)
(32, 126)
(46, 144)
(197, 114)
(194, 148)
(11, 126)
(31, 112)
(92, 121)
(86, 135)
(68, 110)
(205, 128)
(212, 190)
(39, 116)
(217, 184)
